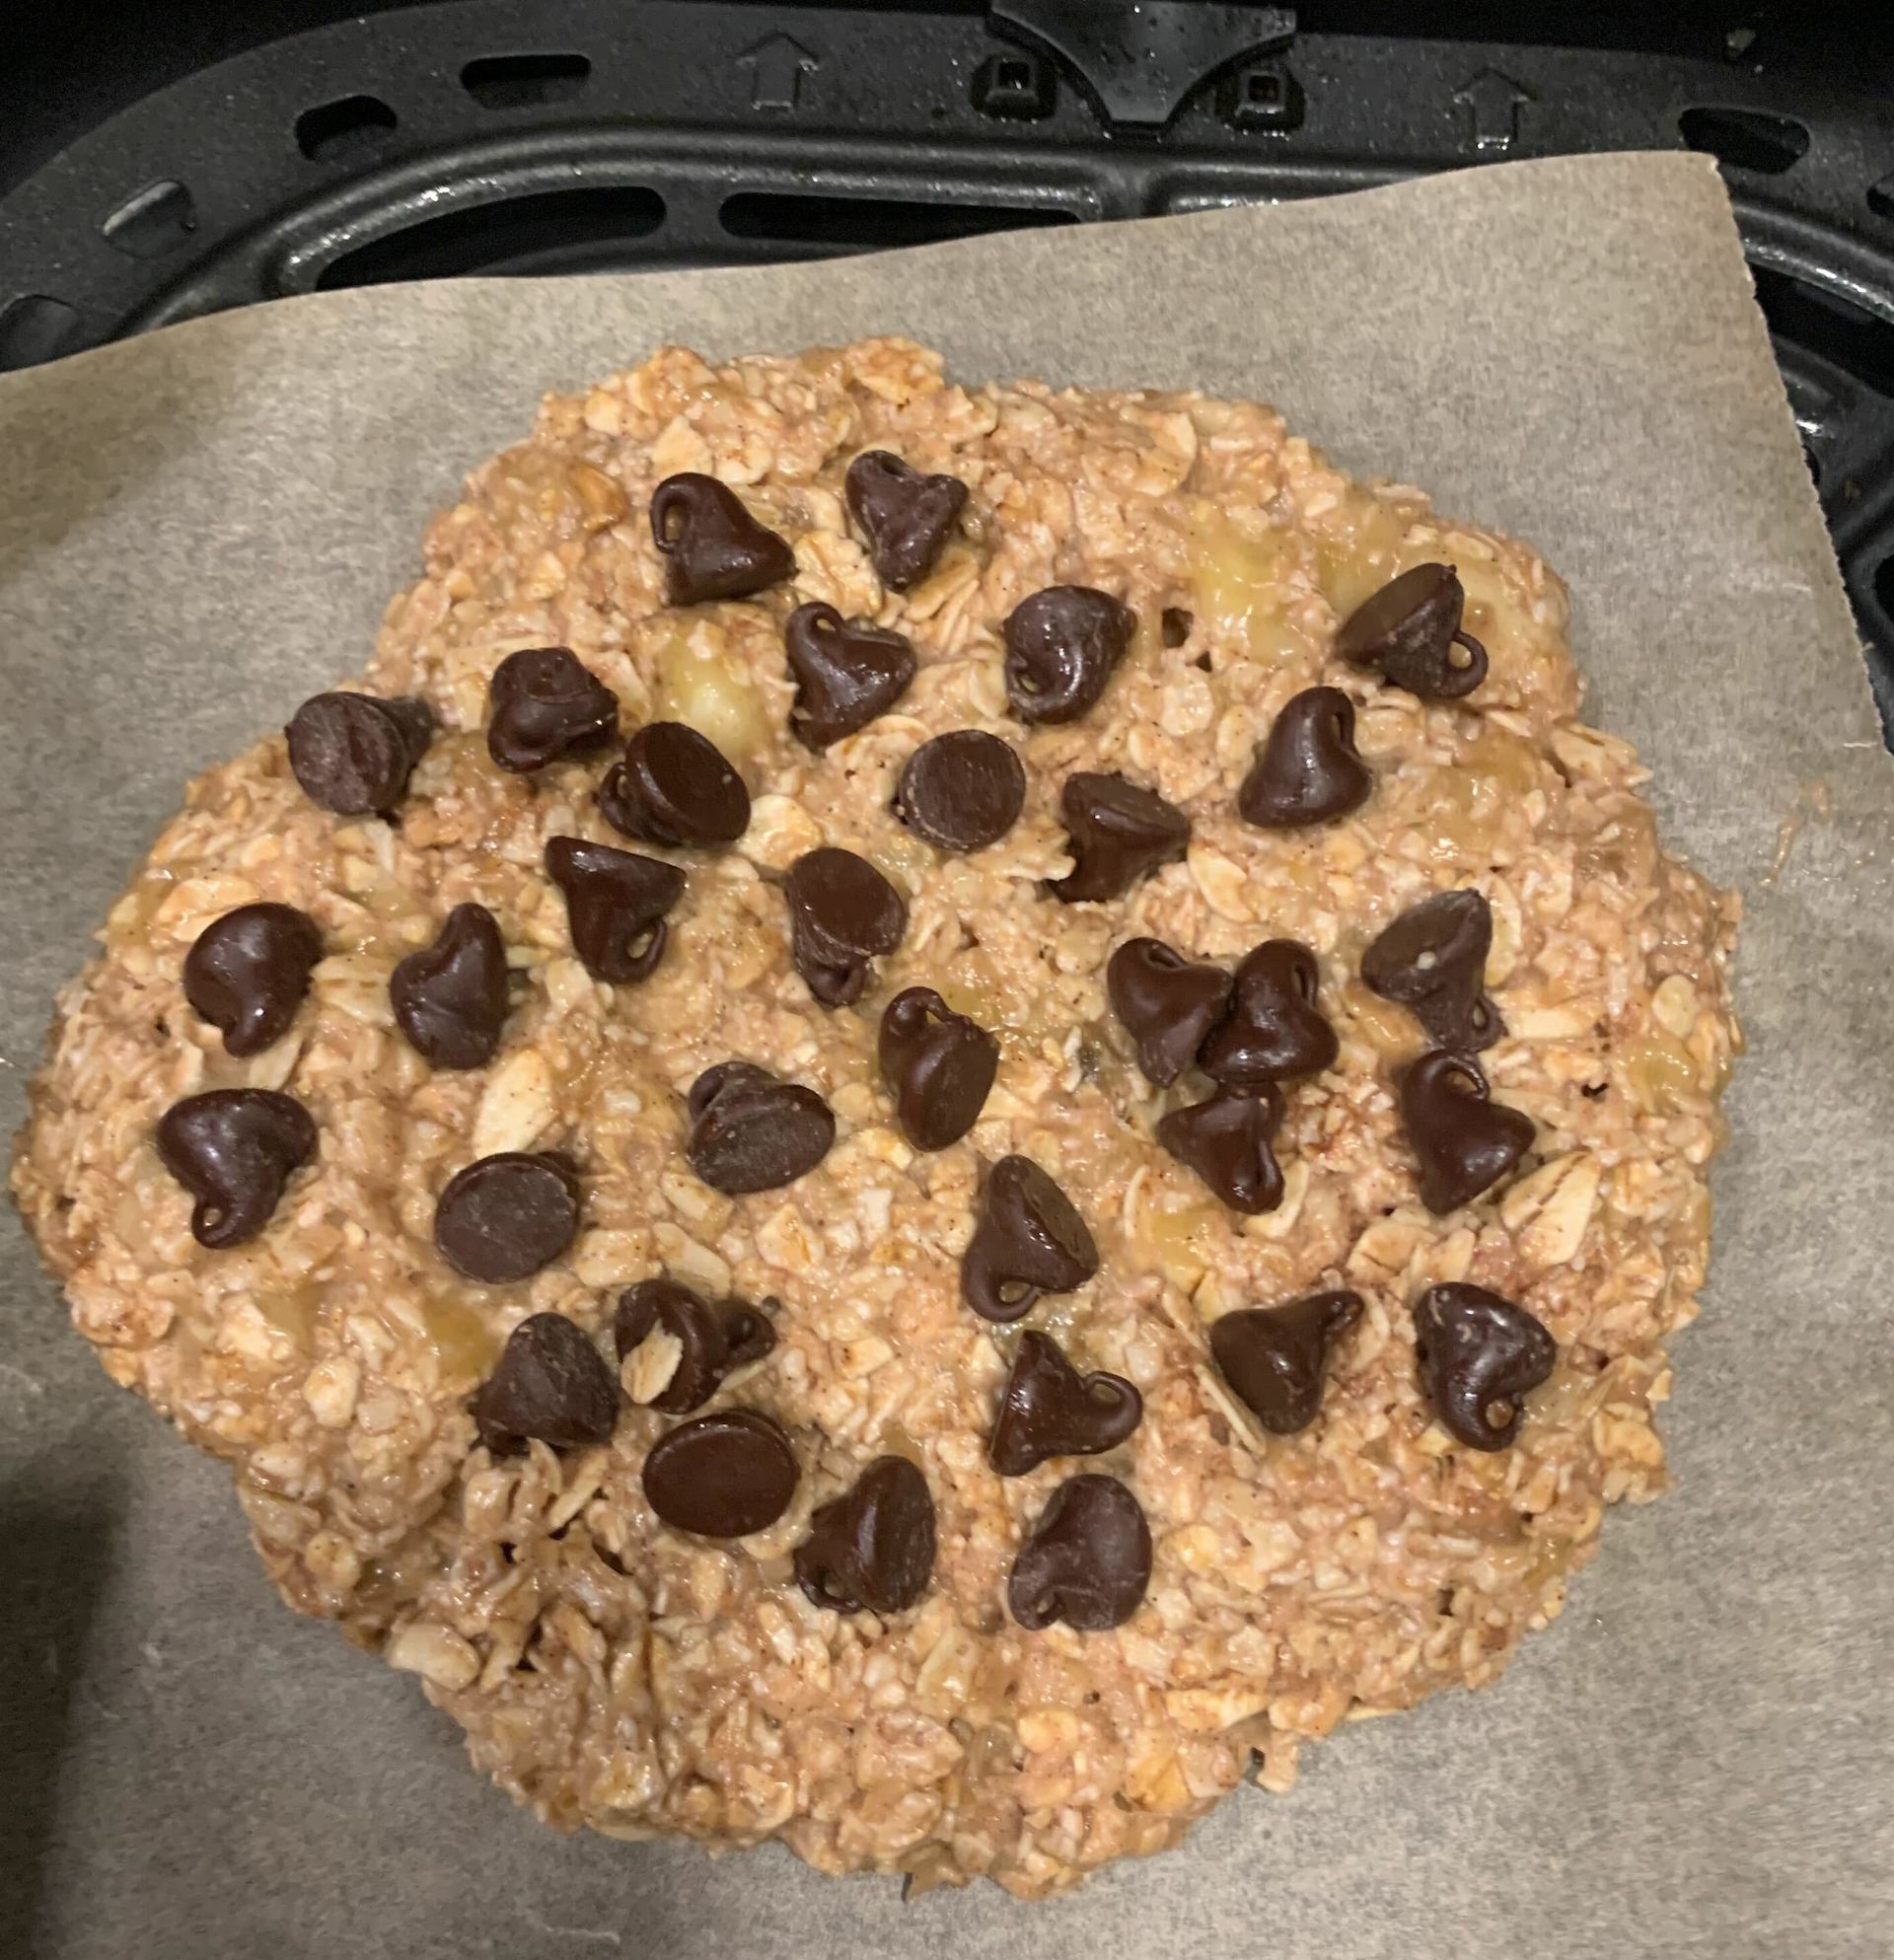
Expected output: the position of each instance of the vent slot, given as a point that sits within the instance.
(550, 231)
(525, 81)
(867, 224)
(156, 220)
(1859, 343)
(349, 126)
(35, 328)
(1747, 138)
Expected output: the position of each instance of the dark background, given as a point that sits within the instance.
(63, 68)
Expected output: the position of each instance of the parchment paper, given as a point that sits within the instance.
(201, 528)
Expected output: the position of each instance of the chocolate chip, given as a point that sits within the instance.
(1167, 1003)
(1062, 645)
(963, 790)
(1226, 1142)
(1465, 1143)
(234, 1150)
(1432, 960)
(712, 547)
(1176, 625)
(835, 983)
(747, 1333)
(552, 1386)
(673, 787)
(750, 1130)
(1274, 1357)
(1275, 1029)
(848, 672)
(842, 913)
(615, 902)
(450, 997)
(1307, 771)
(714, 1340)
(1048, 1409)
(1477, 1353)
(670, 1306)
(1030, 1239)
(353, 753)
(542, 704)
(502, 1218)
(1409, 630)
(247, 971)
(905, 516)
(1088, 1561)
(1120, 833)
(721, 1476)
(725, 1075)
(938, 1066)
(872, 1548)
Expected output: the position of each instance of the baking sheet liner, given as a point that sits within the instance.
(200, 528)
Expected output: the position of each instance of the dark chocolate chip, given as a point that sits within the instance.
(1432, 960)
(502, 1218)
(835, 983)
(725, 1075)
(1274, 1358)
(963, 790)
(416, 721)
(872, 1548)
(542, 704)
(712, 547)
(1167, 1003)
(691, 1321)
(848, 909)
(1176, 625)
(353, 753)
(938, 1065)
(1465, 1142)
(551, 1386)
(842, 913)
(1410, 629)
(1226, 1142)
(450, 997)
(1120, 833)
(675, 787)
(1478, 1354)
(1029, 1240)
(1307, 771)
(1275, 1029)
(234, 1150)
(247, 971)
(905, 516)
(721, 1476)
(848, 672)
(615, 902)
(747, 1333)
(1062, 645)
(1048, 1409)
(750, 1130)
(714, 1338)
(1088, 1561)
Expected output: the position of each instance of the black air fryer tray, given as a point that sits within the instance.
(583, 135)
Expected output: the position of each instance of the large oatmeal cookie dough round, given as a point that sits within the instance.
(1315, 1514)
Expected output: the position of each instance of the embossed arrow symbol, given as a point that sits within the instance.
(1492, 103)
(778, 65)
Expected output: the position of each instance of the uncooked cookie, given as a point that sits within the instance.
(1216, 1299)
